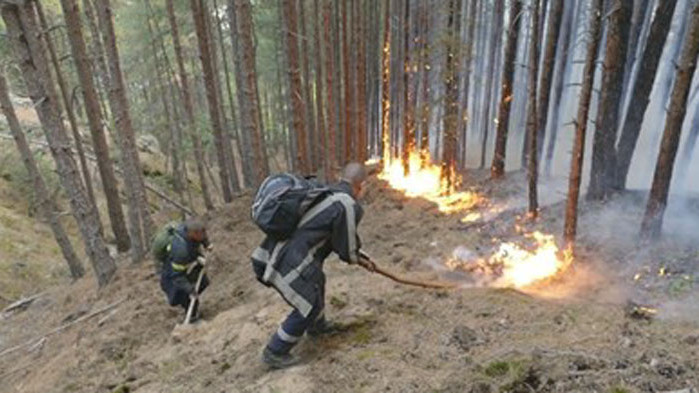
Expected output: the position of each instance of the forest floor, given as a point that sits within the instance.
(575, 334)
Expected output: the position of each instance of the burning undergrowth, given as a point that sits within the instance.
(531, 260)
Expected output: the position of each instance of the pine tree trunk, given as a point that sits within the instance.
(330, 103)
(451, 104)
(578, 156)
(640, 95)
(23, 30)
(322, 155)
(46, 206)
(657, 201)
(141, 221)
(687, 151)
(235, 129)
(361, 84)
(295, 86)
(207, 63)
(246, 144)
(386, 85)
(640, 10)
(550, 48)
(495, 39)
(603, 170)
(559, 78)
(225, 126)
(94, 115)
(87, 179)
(348, 99)
(99, 62)
(305, 61)
(533, 163)
(466, 118)
(497, 168)
(251, 104)
(408, 95)
(189, 106)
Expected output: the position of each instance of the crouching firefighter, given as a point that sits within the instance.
(178, 246)
(304, 222)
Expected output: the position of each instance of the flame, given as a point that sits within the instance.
(522, 268)
(425, 180)
(513, 266)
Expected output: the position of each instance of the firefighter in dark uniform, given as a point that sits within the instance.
(182, 267)
(294, 267)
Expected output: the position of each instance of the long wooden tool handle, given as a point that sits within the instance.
(194, 298)
(401, 280)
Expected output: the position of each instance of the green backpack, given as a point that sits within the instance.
(160, 245)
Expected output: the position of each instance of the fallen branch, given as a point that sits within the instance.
(21, 303)
(38, 340)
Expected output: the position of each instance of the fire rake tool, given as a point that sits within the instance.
(367, 263)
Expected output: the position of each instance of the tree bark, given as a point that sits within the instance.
(189, 106)
(386, 85)
(495, 39)
(532, 114)
(235, 129)
(305, 61)
(604, 165)
(46, 206)
(330, 67)
(497, 169)
(207, 63)
(578, 156)
(250, 104)
(348, 99)
(640, 95)
(246, 145)
(295, 86)
(23, 31)
(322, 146)
(361, 84)
(94, 115)
(451, 105)
(559, 78)
(551, 46)
(141, 221)
(87, 179)
(408, 94)
(657, 201)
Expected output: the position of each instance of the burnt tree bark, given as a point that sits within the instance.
(189, 106)
(657, 201)
(207, 63)
(23, 32)
(110, 185)
(497, 168)
(532, 113)
(640, 95)
(408, 93)
(251, 105)
(386, 85)
(295, 86)
(603, 152)
(46, 206)
(578, 156)
(451, 80)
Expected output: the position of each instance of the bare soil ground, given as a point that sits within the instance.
(580, 337)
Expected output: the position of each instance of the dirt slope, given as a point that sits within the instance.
(398, 339)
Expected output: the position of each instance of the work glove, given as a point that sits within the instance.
(366, 262)
(182, 283)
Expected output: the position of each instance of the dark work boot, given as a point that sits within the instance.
(278, 361)
(324, 328)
